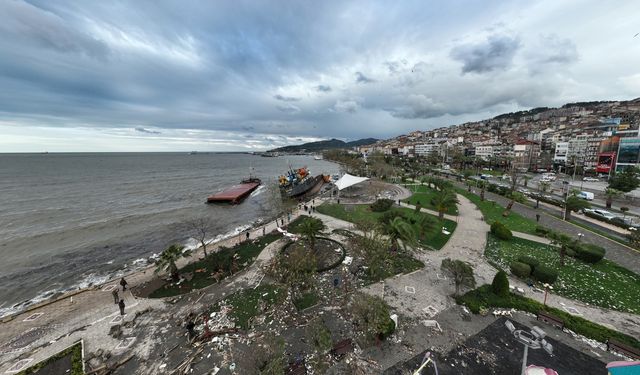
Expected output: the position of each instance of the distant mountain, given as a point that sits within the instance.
(325, 145)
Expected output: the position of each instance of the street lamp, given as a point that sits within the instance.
(534, 340)
(546, 292)
(580, 235)
(566, 196)
(425, 361)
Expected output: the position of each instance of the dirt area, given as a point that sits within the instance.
(369, 191)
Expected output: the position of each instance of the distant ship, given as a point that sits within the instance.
(317, 157)
(299, 182)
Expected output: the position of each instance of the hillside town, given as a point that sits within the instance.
(594, 137)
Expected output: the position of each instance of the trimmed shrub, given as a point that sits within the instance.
(531, 261)
(545, 274)
(589, 253)
(501, 231)
(381, 205)
(542, 230)
(522, 270)
(500, 284)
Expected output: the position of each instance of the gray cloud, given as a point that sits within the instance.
(552, 49)
(288, 108)
(323, 88)
(286, 98)
(147, 131)
(496, 53)
(361, 78)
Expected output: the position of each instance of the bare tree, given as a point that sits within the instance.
(200, 229)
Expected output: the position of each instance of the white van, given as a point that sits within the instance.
(585, 195)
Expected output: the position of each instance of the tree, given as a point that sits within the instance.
(626, 180)
(443, 200)
(526, 180)
(295, 268)
(543, 186)
(500, 284)
(398, 230)
(168, 258)
(424, 223)
(371, 315)
(461, 272)
(562, 241)
(374, 250)
(611, 193)
(200, 229)
(310, 228)
(574, 203)
(624, 210)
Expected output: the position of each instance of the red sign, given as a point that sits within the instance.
(606, 161)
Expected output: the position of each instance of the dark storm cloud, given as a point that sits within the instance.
(286, 98)
(361, 78)
(495, 53)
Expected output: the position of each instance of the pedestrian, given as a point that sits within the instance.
(288, 217)
(115, 296)
(264, 229)
(123, 282)
(190, 329)
(121, 306)
(247, 235)
(537, 218)
(313, 208)
(338, 200)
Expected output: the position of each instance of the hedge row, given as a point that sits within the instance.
(501, 231)
(539, 272)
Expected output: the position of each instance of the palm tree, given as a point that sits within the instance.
(310, 228)
(461, 272)
(610, 194)
(561, 240)
(424, 223)
(398, 230)
(443, 200)
(169, 257)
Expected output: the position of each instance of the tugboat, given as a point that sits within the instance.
(236, 193)
(299, 182)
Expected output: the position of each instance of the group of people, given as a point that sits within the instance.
(116, 297)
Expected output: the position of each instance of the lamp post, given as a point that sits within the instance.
(534, 340)
(566, 196)
(425, 361)
(546, 292)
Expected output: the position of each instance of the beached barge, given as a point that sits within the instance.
(237, 193)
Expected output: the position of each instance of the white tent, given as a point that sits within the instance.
(349, 180)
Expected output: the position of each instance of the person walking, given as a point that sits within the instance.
(121, 306)
(247, 235)
(537, 218)
(123, 282)
(115, 296)
(264, 229)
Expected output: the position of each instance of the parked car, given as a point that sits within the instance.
(625, 222)
(599, 214)
(585, 195)
(590, 179)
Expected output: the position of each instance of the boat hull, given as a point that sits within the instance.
(306, 187)
(235, 194)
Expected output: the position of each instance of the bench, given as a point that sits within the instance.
(617, 346)
(550, 319)
(341, 348)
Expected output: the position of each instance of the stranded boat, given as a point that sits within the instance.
(236, 193)
(299, 182)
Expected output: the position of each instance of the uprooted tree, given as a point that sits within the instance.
(168, 258)
(461, 272)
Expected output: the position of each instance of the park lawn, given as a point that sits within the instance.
(399, 263)
(603, 284)
(434, 238)
(483, 297)
(492, 211)
(245, 304)
(245, 253)
(424, 195)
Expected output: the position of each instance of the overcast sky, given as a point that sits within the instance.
(249, 75)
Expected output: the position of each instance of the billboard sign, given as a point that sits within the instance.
(606, 160)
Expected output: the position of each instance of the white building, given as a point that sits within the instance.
(426, 149)
(485, 152)
(561, 152)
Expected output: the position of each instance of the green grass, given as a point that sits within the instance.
(492, 211)
(602, 233)
(434, 238)
(603, 284)
(245, 303)
(424, 195)
(484, 297)
(76, 361)
(245, 252)
(306, 300)
(400, 263)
